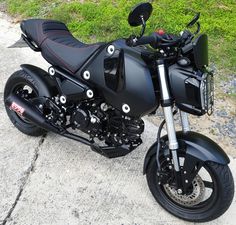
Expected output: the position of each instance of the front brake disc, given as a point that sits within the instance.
(192, 199)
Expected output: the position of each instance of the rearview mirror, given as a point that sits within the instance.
(140, 14)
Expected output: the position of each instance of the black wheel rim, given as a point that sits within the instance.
(26, 91)
(202, 206)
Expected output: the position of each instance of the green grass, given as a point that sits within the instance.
(106, 20)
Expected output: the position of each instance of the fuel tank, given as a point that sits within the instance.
(120, 74)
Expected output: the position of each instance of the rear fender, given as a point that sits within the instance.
(41, 79)
(25, 42)
(197, 147)
(19, 44)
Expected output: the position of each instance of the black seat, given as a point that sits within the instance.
(57, 44)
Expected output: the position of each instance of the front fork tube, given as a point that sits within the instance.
(184, 121)
(169, 118)
(173, 144)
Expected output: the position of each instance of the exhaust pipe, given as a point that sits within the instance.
(30, 112)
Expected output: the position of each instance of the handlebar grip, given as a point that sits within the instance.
(145, 40)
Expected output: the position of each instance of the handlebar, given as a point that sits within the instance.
(155, 40)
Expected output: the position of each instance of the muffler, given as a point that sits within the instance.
(29, 111)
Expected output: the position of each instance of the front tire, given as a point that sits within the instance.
(222, 194)
(21, 83)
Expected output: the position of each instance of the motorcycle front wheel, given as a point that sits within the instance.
(211, 195)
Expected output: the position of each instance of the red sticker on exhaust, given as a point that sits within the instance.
(17, 108)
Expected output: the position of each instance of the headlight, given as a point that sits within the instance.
(207, 92)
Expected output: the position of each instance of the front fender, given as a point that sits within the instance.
(197, 145)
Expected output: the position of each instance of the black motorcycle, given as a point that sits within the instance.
(104, 89)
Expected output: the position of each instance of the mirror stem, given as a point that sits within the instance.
(143, 26)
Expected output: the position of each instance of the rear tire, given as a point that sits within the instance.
(17, 81)
(214, 207)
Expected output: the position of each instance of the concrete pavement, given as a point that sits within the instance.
(52, 180)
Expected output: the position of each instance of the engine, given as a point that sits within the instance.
(107, 124)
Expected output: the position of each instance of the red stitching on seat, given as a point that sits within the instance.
(55, 32)
(60, 59)
(42, 36)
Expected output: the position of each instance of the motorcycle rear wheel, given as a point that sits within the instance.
(18, 83)
(219, 201)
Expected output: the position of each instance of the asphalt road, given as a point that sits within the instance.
(52, 180)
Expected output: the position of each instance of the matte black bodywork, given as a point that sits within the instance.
(197, 146)
(197, 50)
(123, 78)
(41, 79)
(185, 88)
(200, 51)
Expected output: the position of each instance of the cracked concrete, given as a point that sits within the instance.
(16, 150)
(16, 154)
(53, 180)
(24, 180)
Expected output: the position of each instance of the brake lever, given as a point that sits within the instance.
(198, 28)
